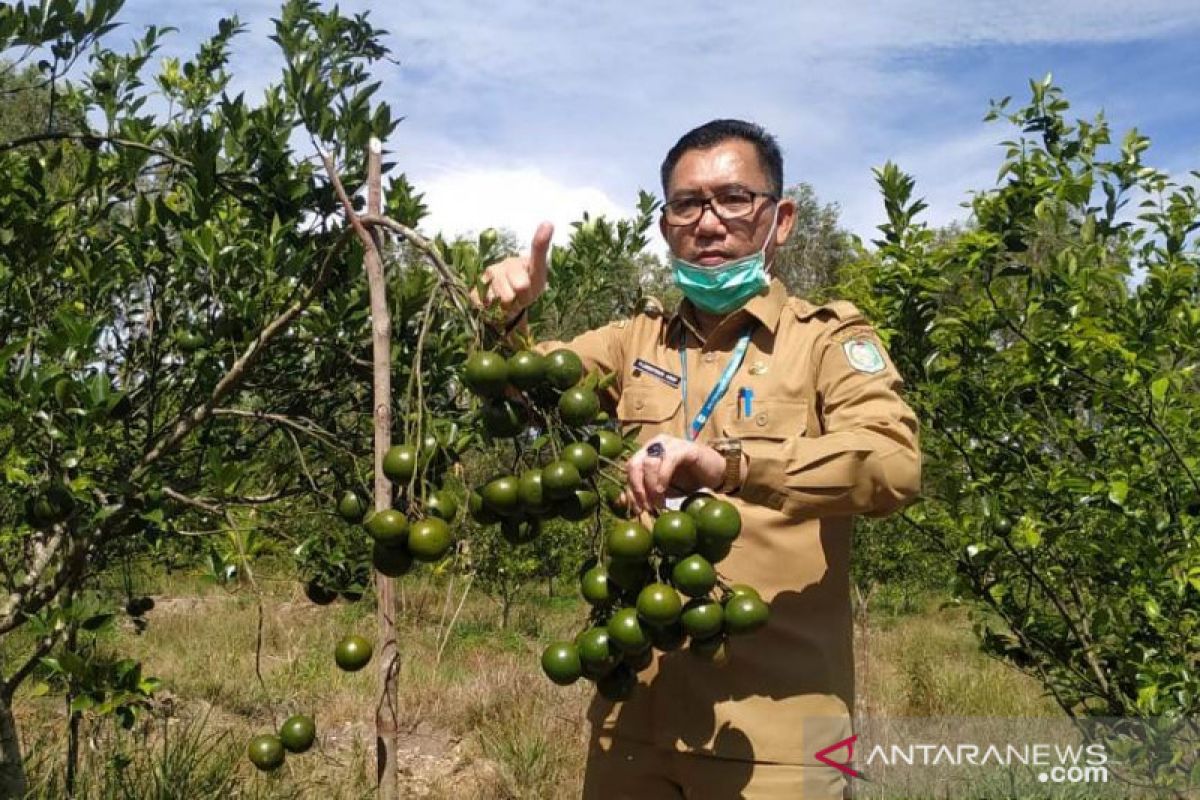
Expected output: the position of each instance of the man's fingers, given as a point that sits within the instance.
(500, 288)
(539, 254)
(666, 471)
(634, 472)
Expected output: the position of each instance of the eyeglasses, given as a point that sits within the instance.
(727, 204)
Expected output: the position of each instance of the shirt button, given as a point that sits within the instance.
(639, 404)
(710, 357)
(760, 420)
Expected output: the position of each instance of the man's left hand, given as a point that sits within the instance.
(683, 467)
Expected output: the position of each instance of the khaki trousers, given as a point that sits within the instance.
(618, 769)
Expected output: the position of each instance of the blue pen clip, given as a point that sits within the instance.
(747, 402)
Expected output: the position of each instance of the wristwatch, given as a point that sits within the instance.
(732, 450)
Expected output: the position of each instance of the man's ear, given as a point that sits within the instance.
(662, 229)
(787, 220)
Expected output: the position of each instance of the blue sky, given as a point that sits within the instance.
(520, 111)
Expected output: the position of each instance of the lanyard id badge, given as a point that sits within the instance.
(718, 391)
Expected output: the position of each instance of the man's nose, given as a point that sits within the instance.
(709, 223)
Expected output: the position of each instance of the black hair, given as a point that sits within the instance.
(713, 133)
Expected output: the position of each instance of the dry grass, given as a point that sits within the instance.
(928, 664)
(483, 722)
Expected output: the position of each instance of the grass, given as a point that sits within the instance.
(482, 722)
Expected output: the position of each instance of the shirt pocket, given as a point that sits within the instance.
(771, 419)
(654, 410)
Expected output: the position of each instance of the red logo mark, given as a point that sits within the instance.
(844, 766)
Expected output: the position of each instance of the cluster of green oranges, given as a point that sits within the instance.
(550, 393)
(657, 588)
(399, 541)
(267, 750)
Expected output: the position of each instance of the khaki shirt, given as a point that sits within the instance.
(828, 437)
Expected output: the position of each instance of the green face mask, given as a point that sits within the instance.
(725, 288)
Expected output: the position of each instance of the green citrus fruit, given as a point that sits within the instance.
(583, 456)
(618, 684)
(625, 631)
(659, 604)
(578, 406)
(391, 560)
(526, 370)
(502, 417)
(429, 539)
(628, 575)
(741, 589)
(675, 533)
(487, 239)
(532, 494)
(695, 503)
(563, 369)
(317, 593)
(596, 652)
(713, 550)
(693, 576)
(189, 341)
(389, 527)
(628, 540)
(607, 443)
(640, 660)
(579, 506)
(516, 530)
(229, 327)
(668, 637)
(400, 463)
(298, 733)
(702, 618)
(612, 499)
(351, 507)
(479, 511)
(594, 586)
(352, 653)
(719, 521)
(745, 613)
(441, 504)
(486, 373)
(265, 751)
(712, 648)
(560, 662)
(52, 506)
(433, 451)
(560, 479)
(502, 495)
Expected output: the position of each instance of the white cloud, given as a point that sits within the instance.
(468, 199)
(557, 107)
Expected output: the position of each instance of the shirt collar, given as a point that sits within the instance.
(766, 308)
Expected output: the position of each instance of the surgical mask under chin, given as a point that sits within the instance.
(724, 288)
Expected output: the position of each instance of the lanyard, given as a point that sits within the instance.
(718, 391)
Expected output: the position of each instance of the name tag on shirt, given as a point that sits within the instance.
(669, 378)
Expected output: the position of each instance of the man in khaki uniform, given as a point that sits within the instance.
(805, 429)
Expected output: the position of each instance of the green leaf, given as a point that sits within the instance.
(1158, 389)
(1117, 492)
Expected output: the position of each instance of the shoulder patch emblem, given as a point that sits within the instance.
(864, 355)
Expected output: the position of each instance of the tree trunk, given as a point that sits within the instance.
(12, 765)
(387, 708)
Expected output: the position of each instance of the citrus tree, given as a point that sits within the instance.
(1051, 351)
(154, 308)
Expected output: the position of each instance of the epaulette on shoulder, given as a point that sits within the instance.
(650, 306)
(841, 310)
